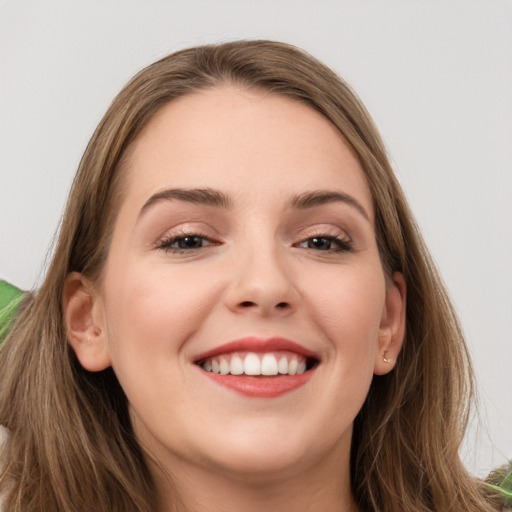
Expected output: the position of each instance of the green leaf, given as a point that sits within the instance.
(10, 300)
(501, 481)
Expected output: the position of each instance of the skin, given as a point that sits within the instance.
(255, 272)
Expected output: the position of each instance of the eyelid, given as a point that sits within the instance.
(325, 231)
(188, 230)
(337, 236)
(167, 244)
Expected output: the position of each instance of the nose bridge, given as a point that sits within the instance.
(262, 279)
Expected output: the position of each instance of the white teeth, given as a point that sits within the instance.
(237, 365)
(292, 367)
(283, 365)
(269, 365)
(252, 364)
(224, 366)
(256, 364)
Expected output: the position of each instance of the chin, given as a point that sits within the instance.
(260, 465)
(276, 454)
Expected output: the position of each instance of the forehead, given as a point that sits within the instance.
(238, 140)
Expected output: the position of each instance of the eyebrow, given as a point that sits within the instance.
(321, 197)
(207, 196)
(216, 198)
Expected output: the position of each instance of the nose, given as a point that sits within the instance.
(262, 283)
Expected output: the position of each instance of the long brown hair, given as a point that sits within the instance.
(71, 446)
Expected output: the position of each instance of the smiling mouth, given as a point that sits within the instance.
(259, 367)
(267, 364)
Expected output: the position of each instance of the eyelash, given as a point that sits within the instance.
(167, 243)
(341, 244)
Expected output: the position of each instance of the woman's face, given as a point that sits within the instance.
(245, 245)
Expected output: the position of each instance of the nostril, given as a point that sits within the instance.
(250, 304)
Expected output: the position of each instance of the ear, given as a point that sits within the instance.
(83, 317)
(392, 325)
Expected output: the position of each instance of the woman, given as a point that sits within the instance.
(240, 313)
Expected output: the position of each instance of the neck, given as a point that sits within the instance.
(323, 487)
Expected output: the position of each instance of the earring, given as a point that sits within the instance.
(384, 358)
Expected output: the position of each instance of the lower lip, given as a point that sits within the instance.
(261, 386)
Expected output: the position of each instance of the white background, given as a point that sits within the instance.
(436, 76)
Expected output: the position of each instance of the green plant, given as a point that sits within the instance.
(10, 300)
(501, 481)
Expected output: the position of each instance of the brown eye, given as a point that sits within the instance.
(326, 244)
(319, 243)
(185, 243)
(189, 242)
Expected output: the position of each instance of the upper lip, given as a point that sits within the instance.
(254, 344)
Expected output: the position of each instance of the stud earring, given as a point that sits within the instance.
(384, 358)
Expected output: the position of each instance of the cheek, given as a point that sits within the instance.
(349, 307)
(348, 310)
(153, 312)
(151, 317)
